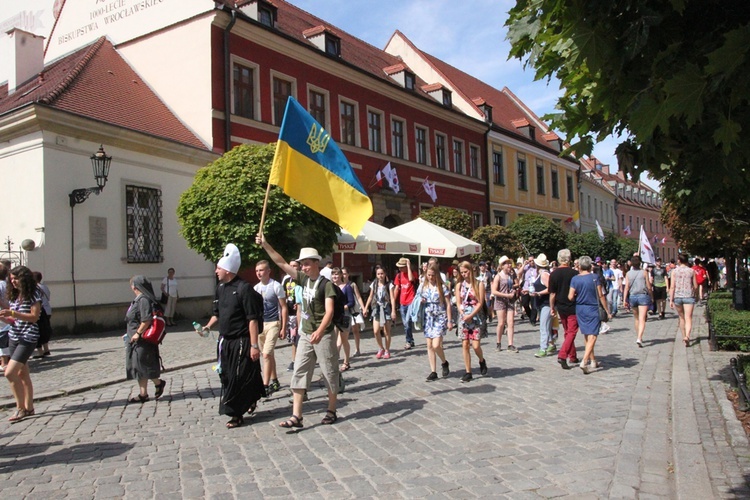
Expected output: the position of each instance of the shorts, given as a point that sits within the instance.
(640, 300)
(502, 304)
(268, 338)
(324, 353)
(358, 320)
(681, 301)
(660, 293)
(20, 350)
(471, 333)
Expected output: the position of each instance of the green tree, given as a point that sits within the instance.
(224, 205)
(590, 244)
(716, 236)
(496, 241)
(538, 234)
(674, 76)
(448, 218)
(628, 246)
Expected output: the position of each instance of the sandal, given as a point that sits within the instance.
(20, 414)
(344, 367)
(235, 422)
(252, 408)
(160, 389)
(138, 399)
(330, 418)
(294, 421)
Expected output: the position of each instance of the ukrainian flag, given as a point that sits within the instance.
(311, 168)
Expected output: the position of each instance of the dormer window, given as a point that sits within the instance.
(447, 101)
(324, 39)
(438, 92)
(487, 111)
(525, 128)
(261, 11)
(409, 80)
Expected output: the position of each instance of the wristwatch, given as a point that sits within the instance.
(254, 346)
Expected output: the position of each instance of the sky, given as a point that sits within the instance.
(469, 35)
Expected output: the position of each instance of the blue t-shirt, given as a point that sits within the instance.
(609, 275)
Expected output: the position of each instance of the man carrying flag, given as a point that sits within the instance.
(311, 168)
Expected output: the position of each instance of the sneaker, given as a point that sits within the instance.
(275, 386)
(541, 353)
(595, 364)
(407, 346)
(604, 328)
(432, 377)
(412, 344)
(483, 367)
(661, 316)
(551, 349)
(467, 377)
(640, 344)
(564, 364)
(387, 355)
(268, 391)
(380, 353)
(575, 361)
(498, 347)
(446, 369)
(290, 368)
(585, 368)
(512, 348)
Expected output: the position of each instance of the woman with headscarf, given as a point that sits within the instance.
(142, 360)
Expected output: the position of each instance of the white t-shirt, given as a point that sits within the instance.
(170, 286)
(618, 277)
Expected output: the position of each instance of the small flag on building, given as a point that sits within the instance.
(599, 230)
(430, 190)
(627, 231)
(577, 219)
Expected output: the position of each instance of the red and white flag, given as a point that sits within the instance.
(430, 190)
(379, 178)
(647, 253)
(627, 231)
(392, 178)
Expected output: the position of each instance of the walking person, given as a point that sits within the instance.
(275, 317)
(660, 283)
(169, 287)
(4, 326)
(404, 288)
(470, 298)
(142, 361)
(613, 298)
(504, 290)
(435, 296)
(343, 334)
(317, 343)
(541, 296)
(238, 309)
(638, 295)
(290, 288)
(587, 291)
(682, 288)
(383, 305)
(357, 322)
(528, 277)
(45, 318)
(564, 308)
(24, 308)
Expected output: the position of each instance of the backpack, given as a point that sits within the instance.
(340, 318)
(157, 330)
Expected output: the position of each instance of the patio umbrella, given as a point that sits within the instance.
(436, 241)
(376, 239)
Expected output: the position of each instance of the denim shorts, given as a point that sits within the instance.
(681, 301)
(640, 300)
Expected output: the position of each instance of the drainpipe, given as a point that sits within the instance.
(488, 174)
(228, 85)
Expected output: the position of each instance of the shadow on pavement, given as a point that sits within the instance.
(615, 361)
(58, 362)
(398, 409)
(80, 453)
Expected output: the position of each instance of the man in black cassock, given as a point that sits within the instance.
(238, 309)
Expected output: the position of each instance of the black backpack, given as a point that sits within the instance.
(340, 318)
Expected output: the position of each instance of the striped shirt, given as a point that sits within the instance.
(25, 330)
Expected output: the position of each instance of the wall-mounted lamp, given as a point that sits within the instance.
(100, 162)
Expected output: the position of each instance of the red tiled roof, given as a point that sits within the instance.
(97, 83)
(396, 68)
(520, 122)
(432, 87)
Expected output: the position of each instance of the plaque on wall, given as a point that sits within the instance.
(98, 233)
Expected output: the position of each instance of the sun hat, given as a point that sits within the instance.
(502, 260)
(309, 253)
(541, 261)
(402, 262)
(519, 260)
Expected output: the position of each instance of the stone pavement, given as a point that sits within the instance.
(652, 423)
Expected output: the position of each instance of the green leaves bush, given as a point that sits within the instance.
(727, 322)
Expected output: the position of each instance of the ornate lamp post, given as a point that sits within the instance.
(100, 163)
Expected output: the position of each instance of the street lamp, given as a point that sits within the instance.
(100, 163)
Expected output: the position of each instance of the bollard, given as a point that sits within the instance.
(742, 403)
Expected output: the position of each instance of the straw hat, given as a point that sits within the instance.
(402, 262)
(308, 253)
(503, 259)
(541, 261)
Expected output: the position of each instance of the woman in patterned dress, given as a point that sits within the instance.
(435, 296)
(470, 297)
(383, 311)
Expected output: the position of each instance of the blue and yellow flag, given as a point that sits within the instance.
(311, 168)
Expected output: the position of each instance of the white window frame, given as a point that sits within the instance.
(282, 76)
(256, 87)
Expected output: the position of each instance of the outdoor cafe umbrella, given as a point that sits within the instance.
(437, 241)
(376, 239)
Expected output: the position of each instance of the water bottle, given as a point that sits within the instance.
(198, 328)
(125, 339)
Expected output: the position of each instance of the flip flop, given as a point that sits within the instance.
(235, 422)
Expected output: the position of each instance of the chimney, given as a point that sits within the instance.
(26, 57)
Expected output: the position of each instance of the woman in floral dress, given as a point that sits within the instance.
(470, 297)
(435, 296)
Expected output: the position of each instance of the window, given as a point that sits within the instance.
(348, 123)
(622, 222)
(265, 16)
(657, 225)
(638, 222)
(333, 45)
(458, 157)
(244, 91)
(282, 90)
(650, 225)
(409, 80)
(375, 128)
(473, 161)
(569, 182)
(500, 217)
(498, 169)
(540, 188)
(522, 180)
(580, 197)
(630, 223)
(421, 140)
(440, 153)
(476, 219)
(143, 225)
(318, 107)
(588, 205)
(447, 100)
(555, 185)
(397, 139)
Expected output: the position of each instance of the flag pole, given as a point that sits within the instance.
(265, 205)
